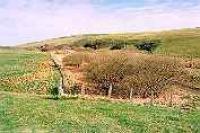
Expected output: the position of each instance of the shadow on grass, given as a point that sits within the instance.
(62, 97)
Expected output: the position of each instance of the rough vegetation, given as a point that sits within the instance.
(140, 75)
(27, 72)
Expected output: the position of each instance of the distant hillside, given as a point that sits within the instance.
(184, 42)
(5, 47)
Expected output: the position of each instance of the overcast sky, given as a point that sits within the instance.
(31, 20)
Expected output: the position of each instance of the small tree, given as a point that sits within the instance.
(94, 43)
(147, 45)
(91, 45)
(117, 46)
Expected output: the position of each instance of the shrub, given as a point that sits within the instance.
(144, 76)
(117, 46)
(93, 43)
(46, 48)
(149, 76)
(106, 72)
(147, 45)
(124, 75)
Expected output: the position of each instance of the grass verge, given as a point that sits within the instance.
(22, 113)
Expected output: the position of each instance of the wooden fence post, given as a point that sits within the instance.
(131, 93)
(110, 90)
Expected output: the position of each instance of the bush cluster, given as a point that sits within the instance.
(128, 74)
(147, 45)
(117, 43)
(93, 43)
(143, 76)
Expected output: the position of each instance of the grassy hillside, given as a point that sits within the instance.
(22, 71)
(25, 77)
(185, 42)
(25, 113)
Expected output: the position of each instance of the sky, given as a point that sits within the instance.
(24, 21)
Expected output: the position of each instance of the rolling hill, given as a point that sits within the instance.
(184, 42)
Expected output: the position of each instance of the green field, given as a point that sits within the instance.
(22, 71)
(27, 113)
